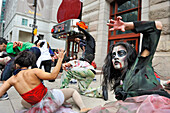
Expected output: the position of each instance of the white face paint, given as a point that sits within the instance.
(119, 54)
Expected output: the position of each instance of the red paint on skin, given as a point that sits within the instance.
(120, 65)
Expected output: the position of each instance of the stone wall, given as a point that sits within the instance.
(96, 13)
(160, 10)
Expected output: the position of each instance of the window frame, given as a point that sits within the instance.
(127, 36)
(24, 22)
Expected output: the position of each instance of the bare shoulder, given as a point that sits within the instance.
(12, 80)
(36, 70)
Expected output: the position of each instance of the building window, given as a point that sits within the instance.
(129, 10)
(24, 22)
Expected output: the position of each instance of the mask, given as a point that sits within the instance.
(119, 54)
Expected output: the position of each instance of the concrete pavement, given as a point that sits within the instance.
(13, 104)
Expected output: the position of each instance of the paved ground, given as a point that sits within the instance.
(13, 103)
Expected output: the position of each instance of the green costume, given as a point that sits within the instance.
(140, 78)
(14, 51)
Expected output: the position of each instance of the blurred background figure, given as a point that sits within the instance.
(45, 58)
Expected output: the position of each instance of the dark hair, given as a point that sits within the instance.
(25, 59)
(112, 75)
(3, 40)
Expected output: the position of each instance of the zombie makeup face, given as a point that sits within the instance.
(119, 54)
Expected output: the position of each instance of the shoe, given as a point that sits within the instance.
(4, 97)
(73, 81)
(94, 79)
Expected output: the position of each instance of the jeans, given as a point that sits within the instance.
(7, 72)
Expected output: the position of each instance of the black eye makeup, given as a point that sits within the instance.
(120, 53)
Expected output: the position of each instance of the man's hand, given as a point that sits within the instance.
(116, 24)
(17, 44)
(65, 66)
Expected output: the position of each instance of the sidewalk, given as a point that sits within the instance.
(13, 104)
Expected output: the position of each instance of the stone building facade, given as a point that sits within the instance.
(160, 10)
(19, 20)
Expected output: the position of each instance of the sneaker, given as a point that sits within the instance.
(4, 97)
(94, 79)
(73, 81)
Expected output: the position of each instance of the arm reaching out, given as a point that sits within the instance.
(53, 75)
(118, 24)
(138, 27)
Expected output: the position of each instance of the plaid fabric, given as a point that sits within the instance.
(84, 77)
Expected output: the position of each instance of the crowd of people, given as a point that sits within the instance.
(129, 74)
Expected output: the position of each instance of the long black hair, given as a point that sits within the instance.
(111, 75)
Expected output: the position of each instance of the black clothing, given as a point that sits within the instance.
(89, 46)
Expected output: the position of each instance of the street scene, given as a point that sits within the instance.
(84, 56)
